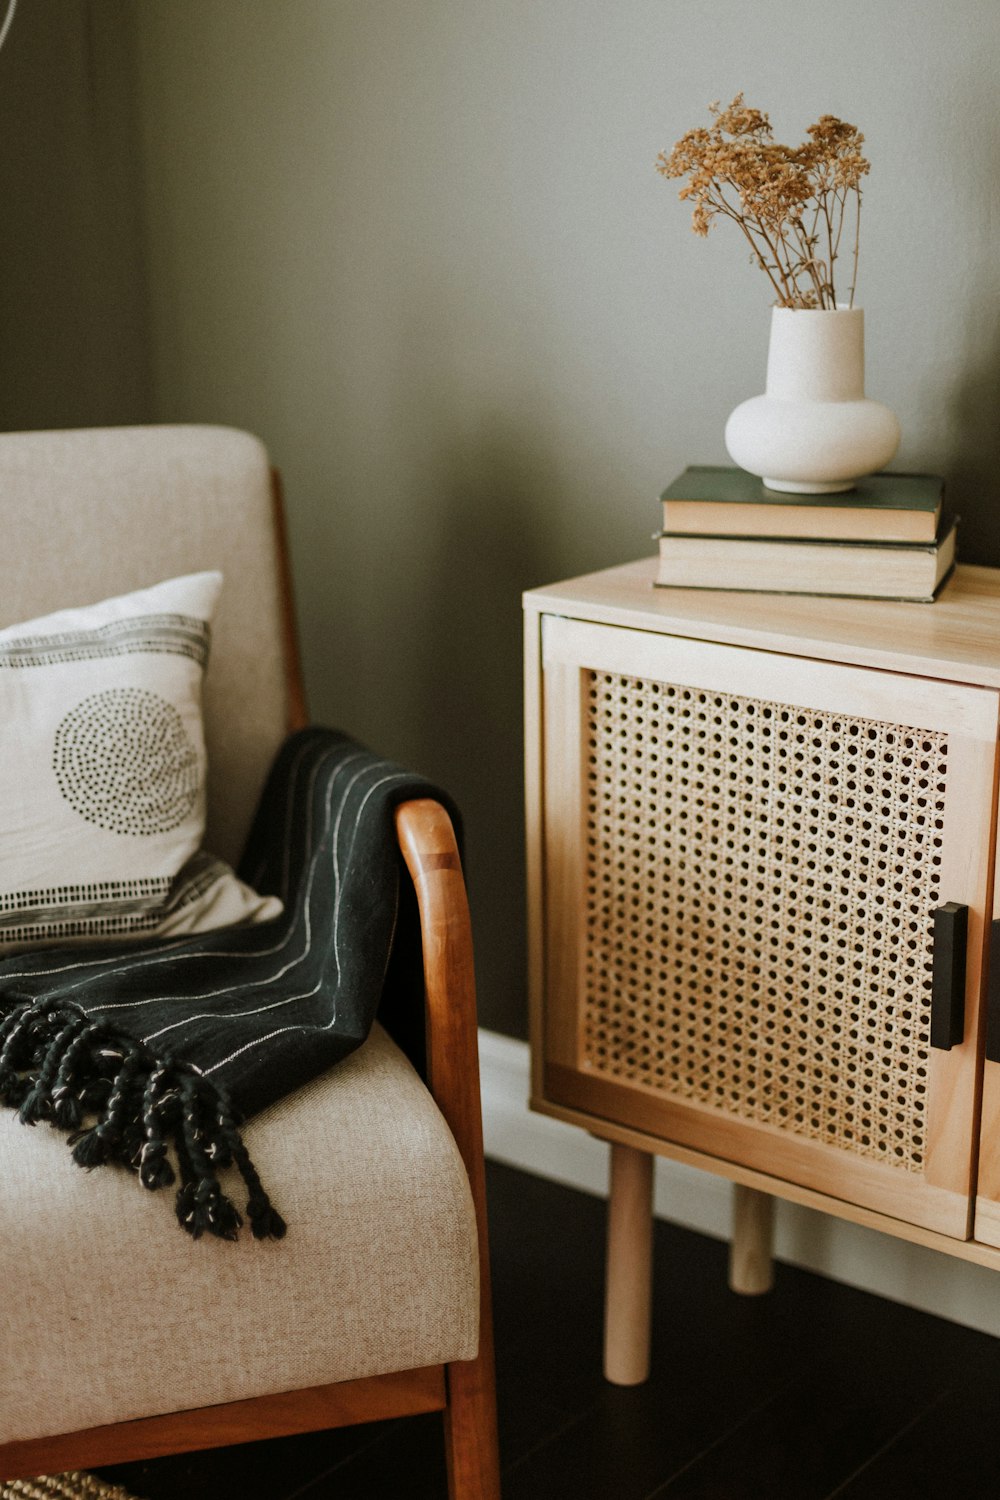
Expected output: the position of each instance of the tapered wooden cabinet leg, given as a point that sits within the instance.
(751, 1267)
(629, 1267)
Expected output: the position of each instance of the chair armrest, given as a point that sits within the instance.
(427, 840)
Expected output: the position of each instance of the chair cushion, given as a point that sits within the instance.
(110, 1314)
(102, 800)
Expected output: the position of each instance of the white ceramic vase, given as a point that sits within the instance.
(813, 432)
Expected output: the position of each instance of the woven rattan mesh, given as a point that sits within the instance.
(760, 883)
(73, 1486)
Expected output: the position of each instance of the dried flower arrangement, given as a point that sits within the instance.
(789, 201)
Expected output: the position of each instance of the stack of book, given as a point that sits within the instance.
(889, 538)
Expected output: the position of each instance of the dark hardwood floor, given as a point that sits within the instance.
(812, 1392)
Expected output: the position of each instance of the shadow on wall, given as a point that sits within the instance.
(495, 488)
(75, 349)
(973, 462)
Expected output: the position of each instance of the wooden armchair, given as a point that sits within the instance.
(115, 1325)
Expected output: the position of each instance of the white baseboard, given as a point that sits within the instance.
(832, 1247)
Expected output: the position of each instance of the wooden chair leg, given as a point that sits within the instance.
(470, 1429)
(751, 1267)
(628, 1289)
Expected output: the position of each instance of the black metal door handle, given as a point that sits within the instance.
(951, 931)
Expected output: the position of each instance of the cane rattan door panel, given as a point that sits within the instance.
(743, 854)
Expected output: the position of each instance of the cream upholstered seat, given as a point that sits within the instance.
(383, 1271)
(97, 1277)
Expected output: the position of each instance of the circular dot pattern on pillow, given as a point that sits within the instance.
(124, 761)
(102, 800)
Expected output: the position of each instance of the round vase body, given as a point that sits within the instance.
(813, 431)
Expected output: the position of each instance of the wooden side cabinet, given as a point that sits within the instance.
(762, 851)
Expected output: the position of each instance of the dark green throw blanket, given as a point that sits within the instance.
(149, 1056)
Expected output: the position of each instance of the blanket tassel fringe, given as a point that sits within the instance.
(58, 1064)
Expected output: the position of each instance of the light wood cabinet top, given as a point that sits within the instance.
(957, 638)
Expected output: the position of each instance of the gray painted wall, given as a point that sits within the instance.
(74, 347)
(422, 250)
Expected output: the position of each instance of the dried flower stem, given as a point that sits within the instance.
(857, 240)
(735, 168)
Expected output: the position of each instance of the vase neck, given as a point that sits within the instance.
(816, 356)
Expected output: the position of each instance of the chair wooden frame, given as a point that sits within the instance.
(464, 1391)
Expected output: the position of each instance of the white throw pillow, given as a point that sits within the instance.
(102, 774)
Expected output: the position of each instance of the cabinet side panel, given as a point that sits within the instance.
(986, 1226)
(564, 859)
(534, 750)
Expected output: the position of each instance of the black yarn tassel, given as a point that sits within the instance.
(15, 1054)
(155, 1170)
(38, 1103)
(202, 1206)
(58, 1064)
(67, 1106)
(265, 1221)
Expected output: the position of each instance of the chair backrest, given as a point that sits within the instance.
(97, 512)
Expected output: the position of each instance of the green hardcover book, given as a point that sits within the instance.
(913, 571)
(707, 500)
